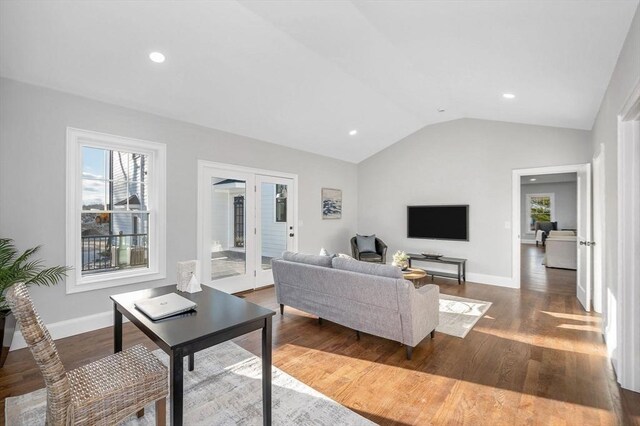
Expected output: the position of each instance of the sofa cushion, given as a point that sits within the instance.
(366, 243)
(309, 259)
(366, 268)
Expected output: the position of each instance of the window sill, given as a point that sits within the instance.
(107, 280)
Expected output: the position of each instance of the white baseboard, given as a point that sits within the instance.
(491, 280)
(70, 327)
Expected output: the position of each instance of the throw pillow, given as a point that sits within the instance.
(324, 252)
(344, 256)
(366, 243)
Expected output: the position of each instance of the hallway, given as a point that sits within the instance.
(535, 276)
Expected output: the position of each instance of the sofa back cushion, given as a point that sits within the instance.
(366, 267)
(309, 259)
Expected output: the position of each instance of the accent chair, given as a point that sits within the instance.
(379, 256)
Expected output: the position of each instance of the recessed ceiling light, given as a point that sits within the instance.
(508, 95)
(441, 109)
(353, 132)
(533, 179)
(157, 57)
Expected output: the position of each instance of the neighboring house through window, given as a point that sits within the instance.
(540, 208)
(115, 210)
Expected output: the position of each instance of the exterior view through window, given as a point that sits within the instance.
(115, 216)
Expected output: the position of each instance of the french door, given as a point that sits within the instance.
(245, 219)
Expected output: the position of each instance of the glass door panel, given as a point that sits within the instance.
(228, 244)
(274, 223)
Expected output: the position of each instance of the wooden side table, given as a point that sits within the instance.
(413, 274)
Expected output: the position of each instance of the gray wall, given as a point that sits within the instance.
(605, 136)
(32, 181)
(566, 204)
(464, 161)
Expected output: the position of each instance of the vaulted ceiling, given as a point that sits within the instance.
(305, 73)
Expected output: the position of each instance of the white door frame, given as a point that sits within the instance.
(203, 165)
(516, 225)
(627, 291)
(599, 228)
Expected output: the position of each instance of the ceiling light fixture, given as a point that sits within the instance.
(441, 109)
(157, 57)
(353, 132)
(533, 179)
(508, 95)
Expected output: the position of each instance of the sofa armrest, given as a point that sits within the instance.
(425, 312)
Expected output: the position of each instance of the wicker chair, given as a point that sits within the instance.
(104, 392)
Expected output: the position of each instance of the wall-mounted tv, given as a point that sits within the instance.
(438, 222)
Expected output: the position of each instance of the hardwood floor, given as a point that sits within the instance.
(535, 276)
(535, 358)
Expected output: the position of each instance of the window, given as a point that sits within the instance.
(115, 210)
(540, 208)
(281, 203)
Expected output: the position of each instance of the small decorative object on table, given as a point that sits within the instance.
(401, 260)
(187, 276)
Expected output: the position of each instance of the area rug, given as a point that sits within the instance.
(224, 389)
(458, 315)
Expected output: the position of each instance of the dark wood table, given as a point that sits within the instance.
(219, 317)
(461, 264)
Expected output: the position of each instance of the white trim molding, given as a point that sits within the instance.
(627, 292)
(70, 327)
(156, 189)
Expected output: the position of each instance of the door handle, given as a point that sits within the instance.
(587, 243)
(291, 234)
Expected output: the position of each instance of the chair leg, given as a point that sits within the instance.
(140, 413)
(281, 309)
(161, 412)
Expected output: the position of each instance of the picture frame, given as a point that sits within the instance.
(331, 203)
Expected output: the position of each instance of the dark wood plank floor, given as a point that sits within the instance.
(535, 276)
(535, 358)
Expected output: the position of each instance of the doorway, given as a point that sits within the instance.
(246, 218)
(549, 203)
(582, 242)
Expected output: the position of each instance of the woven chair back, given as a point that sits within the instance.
(44, 351)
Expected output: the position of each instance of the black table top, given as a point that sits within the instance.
(217, 312)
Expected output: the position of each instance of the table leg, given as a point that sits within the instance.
(459, 274)
(266, 372)
(191, 362)
(464, 271)
(176, 367)
(117, 330)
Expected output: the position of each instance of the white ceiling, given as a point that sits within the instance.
(304, 73)
(549, 178)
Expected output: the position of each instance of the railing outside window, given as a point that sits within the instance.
(101, 253)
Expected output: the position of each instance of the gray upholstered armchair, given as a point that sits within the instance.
(380, 255)
(545, 227)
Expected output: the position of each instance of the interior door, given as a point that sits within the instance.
(583, 242)
(275, 230)
(228, 240)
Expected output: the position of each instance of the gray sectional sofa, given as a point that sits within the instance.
(366, 297)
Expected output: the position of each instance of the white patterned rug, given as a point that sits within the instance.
(224, 389)
(458, 315)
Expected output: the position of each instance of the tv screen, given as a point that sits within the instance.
(438, 222)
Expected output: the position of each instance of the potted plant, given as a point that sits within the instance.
(401, 260)
(18, 267)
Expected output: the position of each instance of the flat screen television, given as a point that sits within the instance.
(438, 222)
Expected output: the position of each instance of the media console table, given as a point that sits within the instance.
(461, 276)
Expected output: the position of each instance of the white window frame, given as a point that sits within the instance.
(552, 207)
(156, 189)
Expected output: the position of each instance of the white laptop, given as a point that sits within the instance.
(165, 306)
